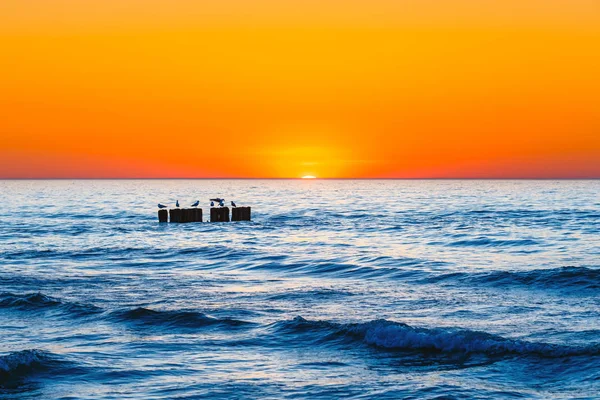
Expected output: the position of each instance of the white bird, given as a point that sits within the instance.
(233, 204)
(212, 203)
(177, 203)
(161, 206)
(196, 203)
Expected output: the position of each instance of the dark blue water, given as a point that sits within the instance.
(336, 289)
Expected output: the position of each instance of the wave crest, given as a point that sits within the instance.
(399, 336)
(17, 365)
(40, 301)
(174, 318)
(491, 242)
(564, 277)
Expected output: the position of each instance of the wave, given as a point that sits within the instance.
(317, 294)
(399, 336)
(528, 213)
(563, 277)
(39, 301)
(174, 318)
(331, 268)
(79, 254)
(119, 253)
(366, 267)
(489, 242)
(21, 364)
(296, 220)
(29, 300)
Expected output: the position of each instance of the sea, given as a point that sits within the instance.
(337, 289)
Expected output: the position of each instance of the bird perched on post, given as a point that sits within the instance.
(233, 204)
(212, 203)
(222, 203)
(161, 206)
(177, 203)
(196, 203)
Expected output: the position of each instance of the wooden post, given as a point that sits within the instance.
(197, 215)
(225, 214)
(185, 215)
(240, 214)
(163, 216)
(190, 214)
(219, 214)
(181, 215)
(235, 214)
(244, 214)
(175, 214)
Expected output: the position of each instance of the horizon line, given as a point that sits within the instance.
(312, 179)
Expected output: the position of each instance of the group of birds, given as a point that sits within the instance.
(219, 201)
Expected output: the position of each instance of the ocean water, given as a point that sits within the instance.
(336, 289)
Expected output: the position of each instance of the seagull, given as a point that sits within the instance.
(195, 204)
(212, 204)
(177, 203)
(161, 206)
(233, 204)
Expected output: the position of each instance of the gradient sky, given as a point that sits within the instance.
(286, 88)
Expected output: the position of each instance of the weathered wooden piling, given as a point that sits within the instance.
(240, 214)
(163, 216)
(185, 215)
(246, 214)
(197, 215)
(175, 214)
(219, 214)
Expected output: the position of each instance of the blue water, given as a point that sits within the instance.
(336, 289)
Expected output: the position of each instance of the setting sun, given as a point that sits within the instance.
(309, 177)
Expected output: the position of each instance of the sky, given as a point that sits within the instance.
(285, 89)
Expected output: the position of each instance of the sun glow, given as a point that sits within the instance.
(309, 177)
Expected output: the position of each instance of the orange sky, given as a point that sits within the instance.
(286, 88)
